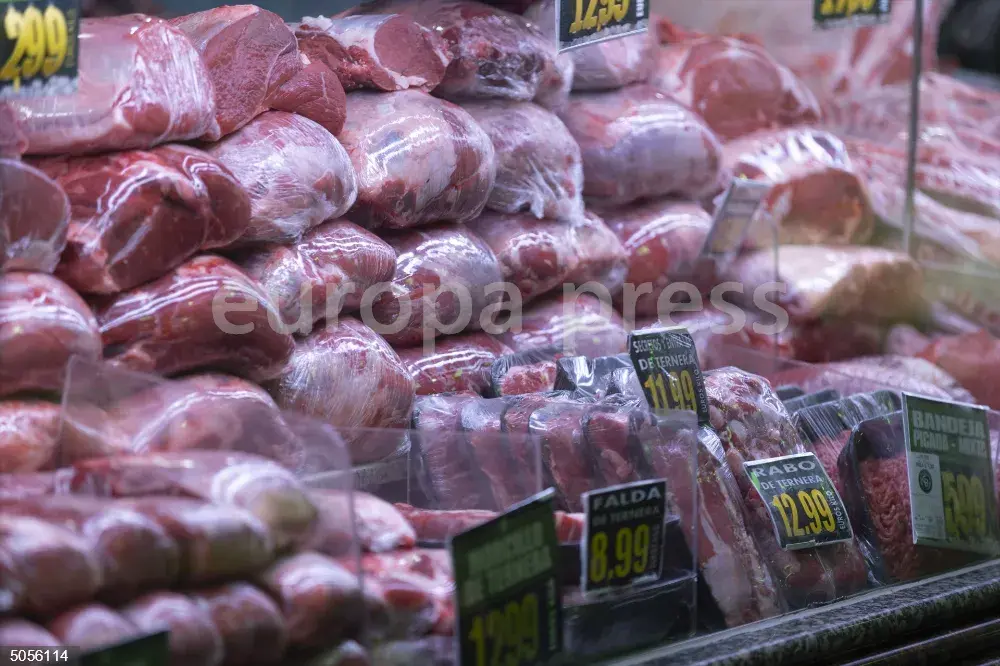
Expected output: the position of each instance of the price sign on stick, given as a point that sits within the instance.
(38, 47)
(583, 22)
(850, 13)
(666, 362)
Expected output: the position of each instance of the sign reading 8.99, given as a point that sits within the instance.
(38, 47)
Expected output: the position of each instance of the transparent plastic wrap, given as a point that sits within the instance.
(297, 174)
(314, 93)
(43, 324)
(574, 325)
(532, 371)
(623, 137)
(557, 75)
(15, 632)
(13, 143)
(91, 626)
(204, 313)
(590, 377)
(971, 359)
(388, 53)
(539, 256)
(377, 526)
(28, 484)
(193, 637)
(142, 83)
(34, 218)
(614, 63)
(251, 625)
(138, 214)
(418, 159)
(458, 363)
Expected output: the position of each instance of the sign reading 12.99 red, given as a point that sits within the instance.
(583, 22)
(38, 47)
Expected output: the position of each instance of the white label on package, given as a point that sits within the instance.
(928, 508)
(733, 217)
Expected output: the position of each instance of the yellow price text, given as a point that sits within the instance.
(41, 41)
(508, 636)
(600, 14)
(845, 8)
(815, 509)
(681, 394)
(964, 506)
(629, 558)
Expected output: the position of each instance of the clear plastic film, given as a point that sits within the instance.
(557, 75)
(580, 325)
(532, 371)
(251, 624)
(970, 358)
(458, 363)
(193, 637)
(34, 218)
(614, 63)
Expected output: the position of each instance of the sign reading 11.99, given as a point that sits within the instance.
(583, 22)
(38, 47)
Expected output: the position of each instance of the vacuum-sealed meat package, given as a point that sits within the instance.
(251, 625)
(583, 325)
(637, 143)
(378, 526)
(34, 218)
(31, 436)
(92, 626)
(138, 214)
(43, 324)
(614, 63)
(435, 525)
(314, 93)
(538, 256)
(15, 632)
(418, 572)
(297, 174)
(193, 637)
(519, 373)
(418, 159)
(204, 313)
(539, 168)
(559, 429)
(142, 83)
(458, 363)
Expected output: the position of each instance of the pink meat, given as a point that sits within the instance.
(12, 141)
(583, 326)
(315, 93)
(31, 436)
(559, 428)
(970, 358)
(251, 625)
(193, 637)
(15, 632)
(614, 63)
(531, 378)
(92, 626)
(458, 363)
(34, 218)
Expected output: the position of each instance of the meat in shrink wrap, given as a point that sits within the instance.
(614, 63)
(15, 632)
(314, 93)
(519, 373)
(418, 159)
(418, 586)
(377, 525)
(251, 625)
(92, 625)
(559, 428)
(193, 637)
(142, 83)
(12, 141)
(31, 436)
(970, 358)
(34, 218)
(297, 174)
(583, 325)
(458, 363)
(557, 75)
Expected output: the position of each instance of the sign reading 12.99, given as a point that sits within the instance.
(38, 47)
(583, 22)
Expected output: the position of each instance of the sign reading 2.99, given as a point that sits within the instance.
(583, 22)
(38, 47)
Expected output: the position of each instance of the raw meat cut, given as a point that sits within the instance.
(34, 218)
(348, 376)
(249, 53)
(204, 313)
(12, 141)
(43, 324)
(193, 637)
(637, 142)
(418, 159)
(423, 571)
(614, 63)
(492, 453)
(136, 215)
(142, 83)
(557, 75)
(559, 429)
(539, 256)
(15, 632)
(391, 52)
(459, 363)
(447, 281)
(606, 429)
(377, 526)
(30, 435)
(297, 174)
(92, 626)
(314, 93)
(663, 240)
(582, 326)
(971, 359)
(325, 273)
(436, 525)
(539, 167)
(251, 625)
(532, 371)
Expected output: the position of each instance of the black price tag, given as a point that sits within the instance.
(950, 469)
(623, 541)
(733, 217)
(583, 22)
(850, 13)
(666, 362)
(805, 507)
(507, 592)
(39, 42)
(150, 650)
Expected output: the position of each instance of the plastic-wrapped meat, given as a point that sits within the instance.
(637, 142)
(539, 168)
(411, 578)
(31, 433)
(458, 363)
(315, 93)
(43, 324)
(817, 196)
(538, 256)
(971, 359)
(249, 53)
(319, 599)
(297, 174)
(436, 525)
(251, 625)
(557, 81)
(323, 274)
(663, 240)
(607, 429)
(582, 326)
(389, 52)
(15, 632)
(12, 141)
(193, 637)
(377, 526)
(481, 421)
(517, 421)
(418, 159)
(533, 371)
(614, 63)
(45, 568)
(142, 83)
(559, 428)
(34, 218)
(446, 279)
(30, 484)
(205, 313)
(92, 626)
(905, 340)
(138, 214)
(349, 377)
(737, 87)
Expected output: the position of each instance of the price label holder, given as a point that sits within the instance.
(950, 471)
(623, 536)
(39, 44)
(583, 22)
(507, 592)
(850, 13)
(149, 650)
(733, 217)
(805, 507)
(666, 362)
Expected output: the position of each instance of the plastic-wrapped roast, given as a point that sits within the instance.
(967, 358)
(457, 363)
(193, 639)
(251, 625)
(418, 159)
(614, 63)
(638, 142)
(92, 625)
(31, 435)
(297, 174)
(34, 217)
(557, 77)
(582, 326)
(142, 83)
(205, 313)
(12, 141)
(315, 93)
(43, 324)
(137, 214)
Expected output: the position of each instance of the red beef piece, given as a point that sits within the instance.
(387, 53)
(458, 363)
(377, 527)
(249, 53)
(559, 428)
(15, 632)
(529, 378)
(34, 218)
(251, 625)
(557, 74)
(481, 420)
(142, 83)
(418, 160)
(31, 435)
(584, 326)
(613, 64)
(624, 136)
(314, 93)
(332, 369)
(971, 359)
(413, 590)
(429, 570)
(172, 325)
(92, 626)
(138, 214)
(43, 324)
(193, 637)
(606, 431)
